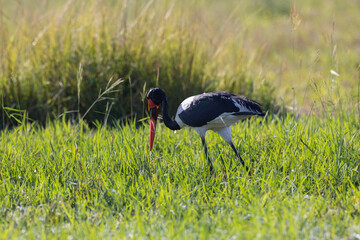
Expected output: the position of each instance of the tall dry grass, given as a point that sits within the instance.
(272, 51)
(168, 44)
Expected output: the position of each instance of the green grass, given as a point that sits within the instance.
(68, 180)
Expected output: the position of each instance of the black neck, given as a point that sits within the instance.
(172, 124)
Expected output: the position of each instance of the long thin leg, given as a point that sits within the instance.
(206, 154)
(241, 160)
(225, 133)
(237, 154)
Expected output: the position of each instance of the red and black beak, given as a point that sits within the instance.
(153, 109)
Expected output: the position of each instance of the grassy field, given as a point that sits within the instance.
(70, 182)
(80, 178)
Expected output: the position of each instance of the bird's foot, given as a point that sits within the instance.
(211, 170)
(250, 171)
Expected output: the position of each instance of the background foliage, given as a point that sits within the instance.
(57, 55)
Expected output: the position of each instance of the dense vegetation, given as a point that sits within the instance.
(56, 56)
(69, 53)
(75, 66)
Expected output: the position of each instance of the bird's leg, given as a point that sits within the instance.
(238, 155)
(225, 133)
(207, 156)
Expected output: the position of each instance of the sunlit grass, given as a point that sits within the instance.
(68, 180)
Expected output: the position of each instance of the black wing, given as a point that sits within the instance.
(208, 106)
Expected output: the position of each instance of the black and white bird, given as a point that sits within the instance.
(208, 111)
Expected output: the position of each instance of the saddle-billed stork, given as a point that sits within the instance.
(208, 111)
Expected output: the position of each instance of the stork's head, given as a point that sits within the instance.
(155, 96)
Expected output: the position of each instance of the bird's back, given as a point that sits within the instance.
(197, 111)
